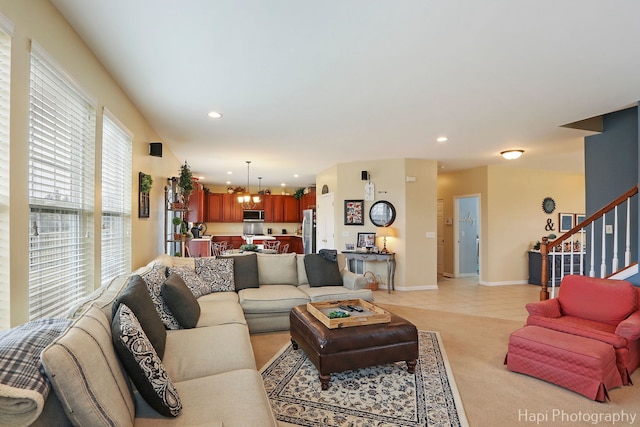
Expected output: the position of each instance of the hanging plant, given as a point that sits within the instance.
(185, 181)
(146, 183)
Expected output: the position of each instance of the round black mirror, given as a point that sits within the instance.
(382, 213)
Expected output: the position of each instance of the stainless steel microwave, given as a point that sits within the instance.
(253, 215)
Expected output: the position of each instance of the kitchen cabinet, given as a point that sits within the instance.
(281, 208)
(231, 209)
(199, 247)
(196, 203)
(291, 209)
(294, 242)
(307, 201)
(234, 241)
(214, 207)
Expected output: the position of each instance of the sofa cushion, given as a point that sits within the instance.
(136, 297)
(87, 375)
(245, 271)
(216, 273)
(271, 299)
(198, 352)
(102, 297)
(603, 300)
(302, 271)
(154, 280)
(180, 300)
(277, 269)
(335, 293)
(321, 271)
(220, 313)
(220, 297)
(234, 398)
(193, 281)
(143, 364)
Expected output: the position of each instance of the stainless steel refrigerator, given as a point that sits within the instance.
(309, 231)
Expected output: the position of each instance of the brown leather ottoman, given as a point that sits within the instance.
(342, 349)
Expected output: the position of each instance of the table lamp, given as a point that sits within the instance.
(385, 232)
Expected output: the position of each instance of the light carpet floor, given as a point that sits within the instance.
(492, 395)
(383, 396)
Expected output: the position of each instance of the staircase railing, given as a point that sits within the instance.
(568, 253)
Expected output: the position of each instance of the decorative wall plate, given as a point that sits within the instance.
(548, 205)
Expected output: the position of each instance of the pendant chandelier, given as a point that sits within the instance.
(246, 199)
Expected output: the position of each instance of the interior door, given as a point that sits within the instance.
(325, 222)
(440, 219)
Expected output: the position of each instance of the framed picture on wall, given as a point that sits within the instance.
(579, 219)
(565, 221)
(366, 240)
(353, 212)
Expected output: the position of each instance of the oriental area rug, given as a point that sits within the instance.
(383, 396)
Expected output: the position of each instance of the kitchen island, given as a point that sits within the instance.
(236, 240)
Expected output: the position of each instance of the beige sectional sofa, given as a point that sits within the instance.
(211, 366)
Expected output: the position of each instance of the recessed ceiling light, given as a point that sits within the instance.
(295, 175)
(229, 173)
(283, 185)
(442, 139)
(511, 154)
(228, 182)
(214, 115)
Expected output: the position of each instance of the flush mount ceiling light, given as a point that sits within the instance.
(214, 115)
(511, 154)
(442, 139)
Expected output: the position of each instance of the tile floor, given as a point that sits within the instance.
(465, 295)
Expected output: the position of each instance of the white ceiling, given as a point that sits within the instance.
(304, 84)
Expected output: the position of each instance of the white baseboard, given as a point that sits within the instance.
(514, 282)
(412, 288)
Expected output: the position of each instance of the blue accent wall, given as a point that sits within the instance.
(611, 168)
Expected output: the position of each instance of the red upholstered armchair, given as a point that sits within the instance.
(606, 310)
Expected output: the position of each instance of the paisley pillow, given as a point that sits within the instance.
(217, 273)
(143, 364)
(154, 279)
(194, 282)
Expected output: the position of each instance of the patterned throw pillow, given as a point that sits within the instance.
(217, 273)
(154, 279)
(194, 282)
(143, 364)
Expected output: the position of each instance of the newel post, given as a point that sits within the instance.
(544, 292)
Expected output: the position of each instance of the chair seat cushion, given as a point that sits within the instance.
(580, 327)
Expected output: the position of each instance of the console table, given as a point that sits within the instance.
(389, 258)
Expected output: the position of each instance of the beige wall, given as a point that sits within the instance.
(511, 214)
(39, 21)
(415, 204)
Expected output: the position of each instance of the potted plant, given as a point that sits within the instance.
(298, 194)
(176, 221)
(185, 182)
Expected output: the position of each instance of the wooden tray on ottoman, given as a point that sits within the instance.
(370, 316)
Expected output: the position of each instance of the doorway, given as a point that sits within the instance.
(467, 236)
(325, 223)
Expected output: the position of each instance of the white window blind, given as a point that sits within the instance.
(116, 199)
(5, 75)
(61, 184)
